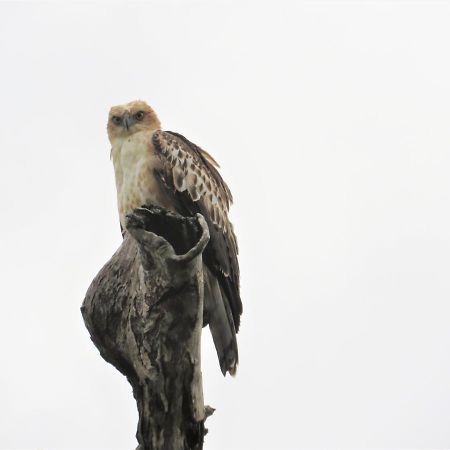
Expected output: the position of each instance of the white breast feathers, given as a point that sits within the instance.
(134, 162)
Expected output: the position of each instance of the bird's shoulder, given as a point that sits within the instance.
(191, 163)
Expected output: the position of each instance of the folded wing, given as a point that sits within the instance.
(191, 175)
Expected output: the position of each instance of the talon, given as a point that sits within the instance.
(133, 221)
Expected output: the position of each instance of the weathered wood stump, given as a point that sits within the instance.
(144, 312)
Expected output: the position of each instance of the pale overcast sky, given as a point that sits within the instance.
(331, 121)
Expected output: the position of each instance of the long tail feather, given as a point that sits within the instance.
(221, 324)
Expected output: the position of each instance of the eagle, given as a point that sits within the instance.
(164, 168)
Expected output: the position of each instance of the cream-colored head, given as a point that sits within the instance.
(125, 120)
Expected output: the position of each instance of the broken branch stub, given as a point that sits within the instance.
(144, 312)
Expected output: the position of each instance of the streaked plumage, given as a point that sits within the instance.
(166, 169)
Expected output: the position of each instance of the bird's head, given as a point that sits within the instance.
(124, 120)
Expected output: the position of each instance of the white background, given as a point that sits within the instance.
(331, 122)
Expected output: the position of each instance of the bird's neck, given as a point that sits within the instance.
(131, 148)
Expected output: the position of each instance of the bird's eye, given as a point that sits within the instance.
(117, 120)
(139, 115)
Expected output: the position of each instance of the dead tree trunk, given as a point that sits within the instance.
(144, 312)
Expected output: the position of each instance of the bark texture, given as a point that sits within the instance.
(144, 312)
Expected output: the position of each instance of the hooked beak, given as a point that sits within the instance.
(126, 121)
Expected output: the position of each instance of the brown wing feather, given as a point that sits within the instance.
(191, 174)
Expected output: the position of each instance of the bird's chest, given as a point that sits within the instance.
(134, 164)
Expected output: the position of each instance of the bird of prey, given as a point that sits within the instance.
(163, 168)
